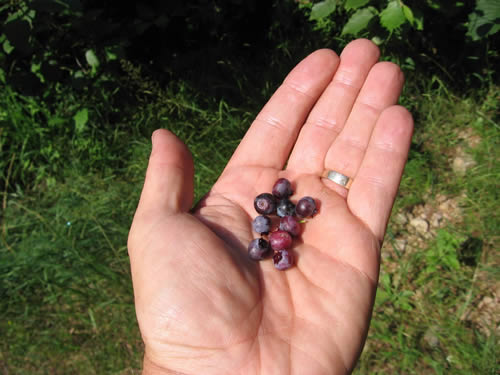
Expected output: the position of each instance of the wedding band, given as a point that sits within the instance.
(338, 178)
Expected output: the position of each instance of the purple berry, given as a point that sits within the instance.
(305, 207)
(282, 188)
(280, 240)
(291, 225)
(261, 224)
(258, 249)
(283, 260)
(285, 207)
(265, 204)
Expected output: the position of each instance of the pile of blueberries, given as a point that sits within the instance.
(291, 216)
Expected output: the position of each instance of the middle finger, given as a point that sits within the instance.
(330, 113)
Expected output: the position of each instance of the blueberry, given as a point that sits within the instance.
(262, 224)
(265, 204)
(258, 249)
(285, 207)
(283, 260)
(282, 188)
(305, 207)
(291, 225)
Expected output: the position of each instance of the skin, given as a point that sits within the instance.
(202, 305)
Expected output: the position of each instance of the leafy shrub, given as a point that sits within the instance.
(450, 38)
(393, 15)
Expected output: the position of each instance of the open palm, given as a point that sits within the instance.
(203, 306)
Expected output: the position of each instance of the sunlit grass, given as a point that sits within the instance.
(420, 323)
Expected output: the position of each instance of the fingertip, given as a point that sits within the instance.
(327, 55)
(401, 114)
(156, 134)
(169, 177)
(169, 147)
(396, 122)
(320, 64)
(364, 46)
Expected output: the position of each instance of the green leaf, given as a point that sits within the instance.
(359, 21)
(7, 47)
(377, 40)
(485, 20)
(393, 16)
(55, 121)
(323, 9)
(92, 59)
(355, 4)
(81, 118)
(444, 251)
(416, 22)
(408, 14)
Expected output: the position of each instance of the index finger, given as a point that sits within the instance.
(271, 136)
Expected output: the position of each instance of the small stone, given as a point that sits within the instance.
(401, 218)
(431, 338)
(420, 225)
(400, 244)
(440, 198)
(461, 163)
(436, 219)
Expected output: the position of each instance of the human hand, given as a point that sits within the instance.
(202, 305)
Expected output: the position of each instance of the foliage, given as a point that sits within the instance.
(393, 14)
(445, 36)
(485, 20)
(37, 46)
(443, 254)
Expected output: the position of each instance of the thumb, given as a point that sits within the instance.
(168, 186)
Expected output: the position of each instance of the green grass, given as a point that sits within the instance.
(418, 325)
(69, 193)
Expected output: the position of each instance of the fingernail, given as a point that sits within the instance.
(153, 136)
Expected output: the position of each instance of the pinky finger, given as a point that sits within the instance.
(375, 186)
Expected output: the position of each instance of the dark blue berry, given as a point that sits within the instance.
(261, 224)
(265, 204)
(285, 207)
(259, 249)
(305, 207)
(282, 188)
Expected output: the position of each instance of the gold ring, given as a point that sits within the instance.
(338, 178)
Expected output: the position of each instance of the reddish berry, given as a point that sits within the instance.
(291, 225)
(280, 240)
